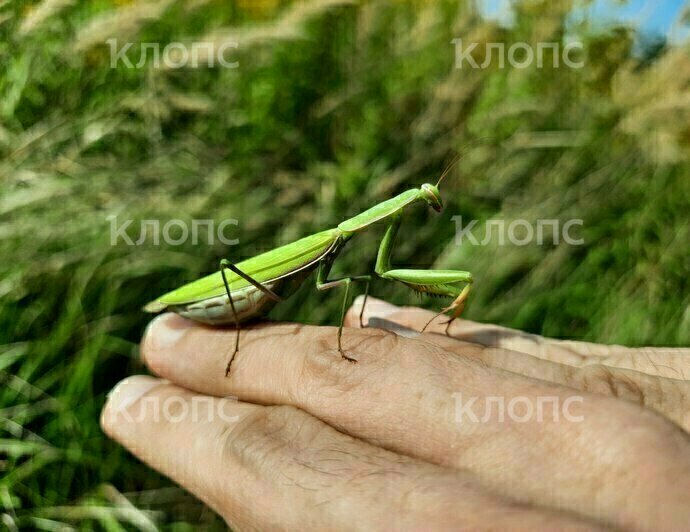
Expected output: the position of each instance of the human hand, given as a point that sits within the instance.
(313, 441)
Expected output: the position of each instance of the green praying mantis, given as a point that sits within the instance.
(240, 292)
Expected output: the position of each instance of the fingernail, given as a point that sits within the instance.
(165, 330)
(375, 308)
(126, 392)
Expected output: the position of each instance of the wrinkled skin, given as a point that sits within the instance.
(297, 438)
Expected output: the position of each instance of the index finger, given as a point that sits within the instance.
(672, 363)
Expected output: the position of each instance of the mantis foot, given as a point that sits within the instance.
(447, 324)
(227, 368)
(343, 355)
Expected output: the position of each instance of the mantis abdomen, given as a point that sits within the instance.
(250, 302)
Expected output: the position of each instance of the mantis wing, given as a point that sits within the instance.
(265, 267)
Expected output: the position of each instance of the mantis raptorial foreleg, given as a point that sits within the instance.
(440, 282)
(457, 306)
(225, 264)
(324, 284)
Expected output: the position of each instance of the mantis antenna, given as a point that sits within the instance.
(458, 157)
(450, 166)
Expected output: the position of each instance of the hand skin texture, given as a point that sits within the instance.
(430, 433)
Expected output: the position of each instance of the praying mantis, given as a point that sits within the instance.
(254, 286)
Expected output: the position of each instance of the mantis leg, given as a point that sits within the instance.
(457, 307)
(324, 284)
(227, 265)
(438, 282)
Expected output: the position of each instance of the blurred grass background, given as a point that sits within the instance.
(335, 105)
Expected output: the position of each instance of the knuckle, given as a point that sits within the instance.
(603, 380)
(262, 438)
(326, 375)
(668, 396)
(376, 343)
(249, 441)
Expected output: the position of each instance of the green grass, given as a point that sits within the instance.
(334, 107)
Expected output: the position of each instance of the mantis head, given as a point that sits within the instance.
(432, 196)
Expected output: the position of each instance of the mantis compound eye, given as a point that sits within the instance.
(432, 196)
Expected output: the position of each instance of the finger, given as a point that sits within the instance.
(672, 363)
(278, 467)
(403, 395)
(668, 396)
